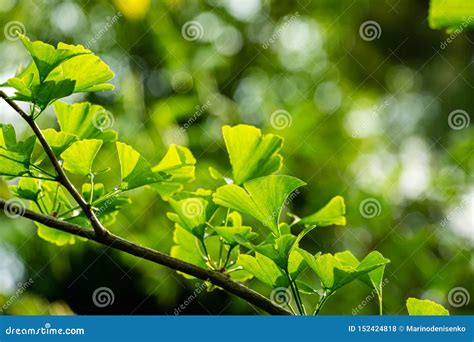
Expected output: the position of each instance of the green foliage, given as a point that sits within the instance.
(451, 14)
(425, 307)
(210, 225)
(58, 72)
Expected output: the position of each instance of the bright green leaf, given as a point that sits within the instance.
(264, 269)
(252, 154)
(179, 164)
(78, 158)
(235, 230)
(451, 14)
(58, 141)
(14, 156)
(83, 120)
(425, 307)
(263, 198)
(332, 213)
(135, 170)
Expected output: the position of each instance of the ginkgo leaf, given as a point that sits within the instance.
(279, 251)
(187, 248)
(332, 213)
(179, 163)
(83, 120)
(337, 270)
(264, 269)
(235, 230)
(451, 15)
(27, 188)
(425, 307)
(263, 198)
(252, 154)
(58, 141)
(58, 72)
(192, 211)
(15, 156)
(134, 169)
(47, 58)
(78, 157)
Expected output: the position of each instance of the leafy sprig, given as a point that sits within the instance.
(225, 235)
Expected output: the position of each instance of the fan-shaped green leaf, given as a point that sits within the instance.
(15, 156)
(252, 154)
(235, 230)
(82, 120)
(332, 213)
(264, 269)
(263, 198)
(135, 170)
(179, 164)
(425, 307)
(78, 157)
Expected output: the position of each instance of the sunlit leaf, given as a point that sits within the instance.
(58, 141)
(337, 270)
(451, 14)
(252, 154)
(425, 307)
(78, 158)
(179, 164)
(263, 198)
(264, 269)
(82, 120)
(15, 155)
(235, 230)
(135, 170)
(332, 213)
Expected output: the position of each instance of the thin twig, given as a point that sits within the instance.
(113, 241)
(61, 177)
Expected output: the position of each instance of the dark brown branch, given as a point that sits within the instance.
(100, 230)
(123, 245)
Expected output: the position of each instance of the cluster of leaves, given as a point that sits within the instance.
(209, 223)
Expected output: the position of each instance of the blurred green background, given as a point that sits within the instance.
(365, 113)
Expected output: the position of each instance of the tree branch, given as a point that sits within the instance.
(100, 230)
(128, 247)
